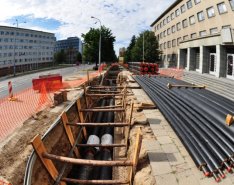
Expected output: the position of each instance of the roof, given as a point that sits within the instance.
(166, 11)
(17, 28)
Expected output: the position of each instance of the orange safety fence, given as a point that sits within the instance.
(172, 72)
(28, 102)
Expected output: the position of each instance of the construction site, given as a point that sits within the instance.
(134, 124)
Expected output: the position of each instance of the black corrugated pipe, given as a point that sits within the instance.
(85, 172)
(212, 149)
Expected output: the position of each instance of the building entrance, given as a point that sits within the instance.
(230, 66)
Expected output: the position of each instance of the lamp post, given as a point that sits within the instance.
(143, 48)
(100, 40)
(17, 26)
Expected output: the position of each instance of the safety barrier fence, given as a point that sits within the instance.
(14, 111)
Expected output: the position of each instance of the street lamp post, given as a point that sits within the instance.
(100, 40)
(143, 48)
(17, 26)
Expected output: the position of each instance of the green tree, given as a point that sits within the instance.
(79, 57)
(91, 46)
(151, 50)
(127, 56)
(60, 57)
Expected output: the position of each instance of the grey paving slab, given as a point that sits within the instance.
(166, 179)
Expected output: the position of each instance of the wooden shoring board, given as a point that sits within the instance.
(40, 149)
(69, 133)
(81, 115)
(80, 181)
(86, 161)
(129, 122)
(99, 124)
(136, 155)
(103, 110)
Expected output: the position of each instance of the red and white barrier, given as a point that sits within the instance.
(10, 89)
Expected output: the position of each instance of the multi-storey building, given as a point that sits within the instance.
(198, 35)
(71, 46)
(24, 49)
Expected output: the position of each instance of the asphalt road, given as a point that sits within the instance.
(23, 82)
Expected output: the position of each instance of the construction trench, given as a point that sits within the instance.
(90, 143)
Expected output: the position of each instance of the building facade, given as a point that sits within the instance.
(198, 35)
(24, 49)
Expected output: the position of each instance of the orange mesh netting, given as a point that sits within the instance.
(30, 101)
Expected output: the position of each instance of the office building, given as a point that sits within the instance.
(198, 35)
(24, 49)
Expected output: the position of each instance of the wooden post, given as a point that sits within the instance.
(49, 165)
(87, 77)
(129, 126)
(87, 103)
(69, 133)
(136, 154)
(81, 115)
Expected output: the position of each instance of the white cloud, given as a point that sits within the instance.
(124, 17)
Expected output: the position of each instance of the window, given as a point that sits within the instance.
(202, 33)
(226, 27)
(173, 43)
(172, 15)
(164, 22)
(213, 30)
(178, 26)
(210, 12)
(177, 12)
(222, 8)
(185, 23)
(183, 8)
(169, 44)
(193, 35)
(200, 16)
(168, 31)
(165, 45)
(185, 37)
(231, 4)
(165, 33)
(189, 4)
(197, 1)
(173, 29)
(192, 20)
(168, 19)
(161, 34)
(161, 24)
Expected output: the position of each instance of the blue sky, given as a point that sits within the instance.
(72, 18)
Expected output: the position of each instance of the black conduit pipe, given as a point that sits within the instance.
(194, 130)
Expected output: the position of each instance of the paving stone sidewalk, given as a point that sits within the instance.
(170, 162)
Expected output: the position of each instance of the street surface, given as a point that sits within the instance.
(23, 82)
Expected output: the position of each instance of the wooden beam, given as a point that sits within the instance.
(104, 91)
(136, 154)
(99, 124)
(103, 110)
(69, 133)
(78, 103)
(98, 95)
(85, 161)
(129, 122)
(79, 181)
(104, 107)
(48, 164)
(101, 145)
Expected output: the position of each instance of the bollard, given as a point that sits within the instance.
(10, 90)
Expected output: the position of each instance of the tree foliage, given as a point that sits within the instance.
(151, 50)
(127, 56)
(91, 46)
(79, 57)
(60, 57)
